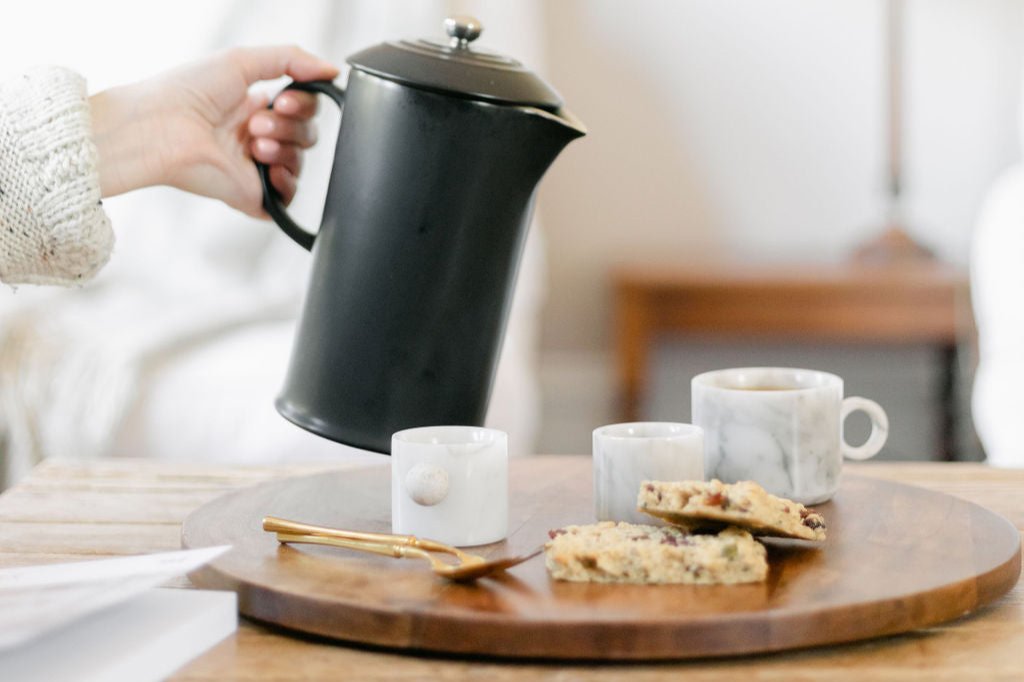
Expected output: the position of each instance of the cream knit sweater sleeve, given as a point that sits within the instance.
(53, 229)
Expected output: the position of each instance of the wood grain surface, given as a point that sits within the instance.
(898, 558)
(59, 501)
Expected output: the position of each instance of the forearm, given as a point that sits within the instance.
(126, 129)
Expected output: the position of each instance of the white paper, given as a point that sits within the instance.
(37, 599)
(145, 639)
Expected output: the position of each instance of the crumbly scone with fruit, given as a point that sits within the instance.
(697, 505)
(610, 552)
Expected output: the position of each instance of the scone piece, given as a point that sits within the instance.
(709, 505)
(610, 552)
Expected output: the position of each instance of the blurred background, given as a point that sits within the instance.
(726, 137)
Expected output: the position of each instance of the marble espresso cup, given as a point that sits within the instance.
(450, 484)
(780, 427)
(627, 454)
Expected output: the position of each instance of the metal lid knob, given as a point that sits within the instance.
(463, 30)
(452, 64)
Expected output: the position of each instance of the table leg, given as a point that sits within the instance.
(633, 332)
(947, 402)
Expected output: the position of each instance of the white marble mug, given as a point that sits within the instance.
(450, 484)
(781, 427)
(627, 454)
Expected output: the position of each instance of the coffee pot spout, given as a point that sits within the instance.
(537, 138)
(567, 124)
(554, 130)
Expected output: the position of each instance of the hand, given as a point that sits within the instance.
(197, 127)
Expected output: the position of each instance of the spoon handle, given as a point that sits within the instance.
(396, 551)
(273, 524)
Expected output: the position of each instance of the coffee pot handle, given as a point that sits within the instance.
(271, 197)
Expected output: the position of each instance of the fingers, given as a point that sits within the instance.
(296, 104)
(278, 135)
(273, 153)
(270, 124)
(284, 182)
(265, 63)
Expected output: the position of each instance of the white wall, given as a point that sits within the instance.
(754, 130)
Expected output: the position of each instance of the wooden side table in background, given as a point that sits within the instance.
(923, 303)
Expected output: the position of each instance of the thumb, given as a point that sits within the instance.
(266, 63)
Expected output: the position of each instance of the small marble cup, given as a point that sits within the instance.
(450, 484)
(782, 428)
(627, 454)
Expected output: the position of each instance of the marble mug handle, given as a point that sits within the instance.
(879, 427)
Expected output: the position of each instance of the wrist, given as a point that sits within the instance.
(126, 134)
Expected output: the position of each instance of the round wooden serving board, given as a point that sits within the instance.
(897, 558)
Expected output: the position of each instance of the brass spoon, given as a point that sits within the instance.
(469, 566)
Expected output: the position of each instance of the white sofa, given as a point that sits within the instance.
(997, 286)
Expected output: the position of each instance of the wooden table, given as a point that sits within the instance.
(872, 305)
(71, 511)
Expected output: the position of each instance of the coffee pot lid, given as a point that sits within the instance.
(458, 68)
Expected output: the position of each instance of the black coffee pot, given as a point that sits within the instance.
(437, 162)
